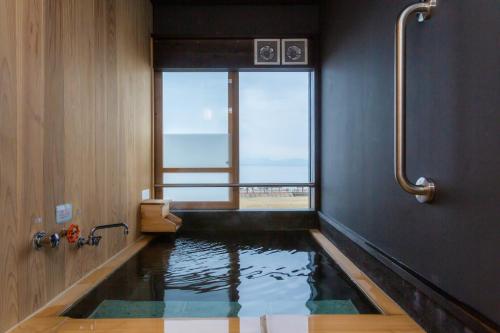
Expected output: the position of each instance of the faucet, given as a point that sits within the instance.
(42, 238)
(93, 239)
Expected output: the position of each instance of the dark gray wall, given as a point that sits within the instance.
(453, 137)
(250, 19)
(219, 34)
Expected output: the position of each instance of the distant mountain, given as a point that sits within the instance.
(210, 150)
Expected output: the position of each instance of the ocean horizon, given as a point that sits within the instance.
(211, 150)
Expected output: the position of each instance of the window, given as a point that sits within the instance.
(197, 139)
(274, 138)
(244, 129)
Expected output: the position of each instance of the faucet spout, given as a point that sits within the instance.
(94, 240)
(107, 226)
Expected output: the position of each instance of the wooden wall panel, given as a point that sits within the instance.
(9, 303)
(30, 111)
(53, 146)
(75, 126)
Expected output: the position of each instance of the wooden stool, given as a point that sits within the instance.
(156, 217)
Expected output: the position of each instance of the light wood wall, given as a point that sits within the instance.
(75, 105)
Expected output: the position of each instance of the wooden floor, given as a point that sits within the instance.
(393, 319)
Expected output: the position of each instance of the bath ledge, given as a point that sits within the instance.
(80, 288)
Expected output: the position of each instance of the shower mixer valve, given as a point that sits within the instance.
(42, 238)
(72, 234)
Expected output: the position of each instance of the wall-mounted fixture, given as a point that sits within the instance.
(64, 213)
(288, 51)
(42, 238)
(94, 240)
(294, 51)
(425, 189)
(267, 51)
(72, 234)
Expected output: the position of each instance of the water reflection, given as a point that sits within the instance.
(281, 278)
(225, 275)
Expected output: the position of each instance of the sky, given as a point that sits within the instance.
(274, 110)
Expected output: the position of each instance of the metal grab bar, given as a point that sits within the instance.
(425, 188)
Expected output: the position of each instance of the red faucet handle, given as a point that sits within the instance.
(73, 233)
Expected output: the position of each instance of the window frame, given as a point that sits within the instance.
(233, 146)
(233, 131)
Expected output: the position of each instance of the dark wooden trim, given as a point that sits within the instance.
(160, 37)
(317, 138)
(217, 54)
(158, 133)
(234, 153)
(153, 139)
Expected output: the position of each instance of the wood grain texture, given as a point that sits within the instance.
(272, 324)
(156, 217)
(9, 303)
(75, 126)
(30, 111)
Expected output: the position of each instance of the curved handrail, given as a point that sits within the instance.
(425, 188)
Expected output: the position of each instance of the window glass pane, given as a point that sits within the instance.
(197, 193)
(274, 138)
(195, 119)
(274, 127)
(274, 197)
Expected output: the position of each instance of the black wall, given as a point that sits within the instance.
(193, 34)
(247, 220)
(235, 19)
(453, 130)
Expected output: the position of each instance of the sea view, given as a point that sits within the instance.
(211, 150)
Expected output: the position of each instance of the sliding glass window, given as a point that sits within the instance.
(247, 130)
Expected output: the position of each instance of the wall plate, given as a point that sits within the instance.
(64, 213)
(145, 194)
(295, 51)
(267, 51)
